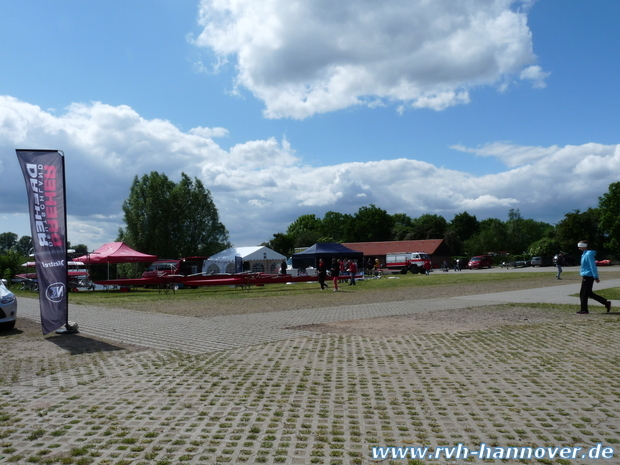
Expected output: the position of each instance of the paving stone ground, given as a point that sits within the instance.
(248, 389)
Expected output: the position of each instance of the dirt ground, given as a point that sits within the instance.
(442, 322)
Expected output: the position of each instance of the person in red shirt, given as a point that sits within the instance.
(427, 267)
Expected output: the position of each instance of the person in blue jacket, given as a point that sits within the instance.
(589, 274)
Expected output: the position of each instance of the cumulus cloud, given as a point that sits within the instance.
(261, 186)
(536, 75)
(303, 57)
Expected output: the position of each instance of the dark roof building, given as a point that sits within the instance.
(436, 248)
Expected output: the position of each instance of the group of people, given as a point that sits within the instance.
(373, 266)
(338, 268)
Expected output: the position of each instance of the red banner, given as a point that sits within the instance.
(44, 173)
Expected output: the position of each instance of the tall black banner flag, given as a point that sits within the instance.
(44, 173)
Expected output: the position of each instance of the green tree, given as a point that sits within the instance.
(402, 225)
(371, 224)
(521, 232)
(335, 226)
(429, 226)
(465, 225)
(545, 247)
(453, 241)
(491, 237)
(304, 223)
(80, 249)
(281, 243)
(10, 263)
(305, 230)
(8, 241)
(24, 245)
(609, 208)
(172, 220)
(576, 226)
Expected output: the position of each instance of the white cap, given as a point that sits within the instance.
(582, 244)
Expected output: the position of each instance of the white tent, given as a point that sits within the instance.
(238, 259)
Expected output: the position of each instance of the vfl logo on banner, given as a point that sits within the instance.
(55, 292)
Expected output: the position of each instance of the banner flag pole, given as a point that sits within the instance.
(44, 174)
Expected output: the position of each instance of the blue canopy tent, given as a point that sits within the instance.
(327, 251)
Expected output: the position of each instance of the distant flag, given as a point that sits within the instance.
(44, 173)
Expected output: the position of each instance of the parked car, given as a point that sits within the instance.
(480, 261)
(8, 307)
(541, 261)
(604, 263)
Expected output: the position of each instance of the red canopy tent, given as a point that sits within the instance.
(115, 252)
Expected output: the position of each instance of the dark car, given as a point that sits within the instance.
(537, 261)
(542, 261)
(568, 260)
(480, 261)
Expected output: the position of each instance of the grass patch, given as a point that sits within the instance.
(612, 293)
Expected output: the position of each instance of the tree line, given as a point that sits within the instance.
(15, 250)
(464, 233)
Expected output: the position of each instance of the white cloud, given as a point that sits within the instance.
(209, 133)
(512, 155)
(303, 57)
(536, 75)
(261, 186)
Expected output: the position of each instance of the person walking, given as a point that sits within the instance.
(344, 266)
(427, 267)
(322, 270)
(335, 270)
(559, 261)
(589, 274)
(352, 272)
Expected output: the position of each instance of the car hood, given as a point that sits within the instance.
(4, 292)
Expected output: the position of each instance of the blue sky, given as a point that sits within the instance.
(286, 107)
